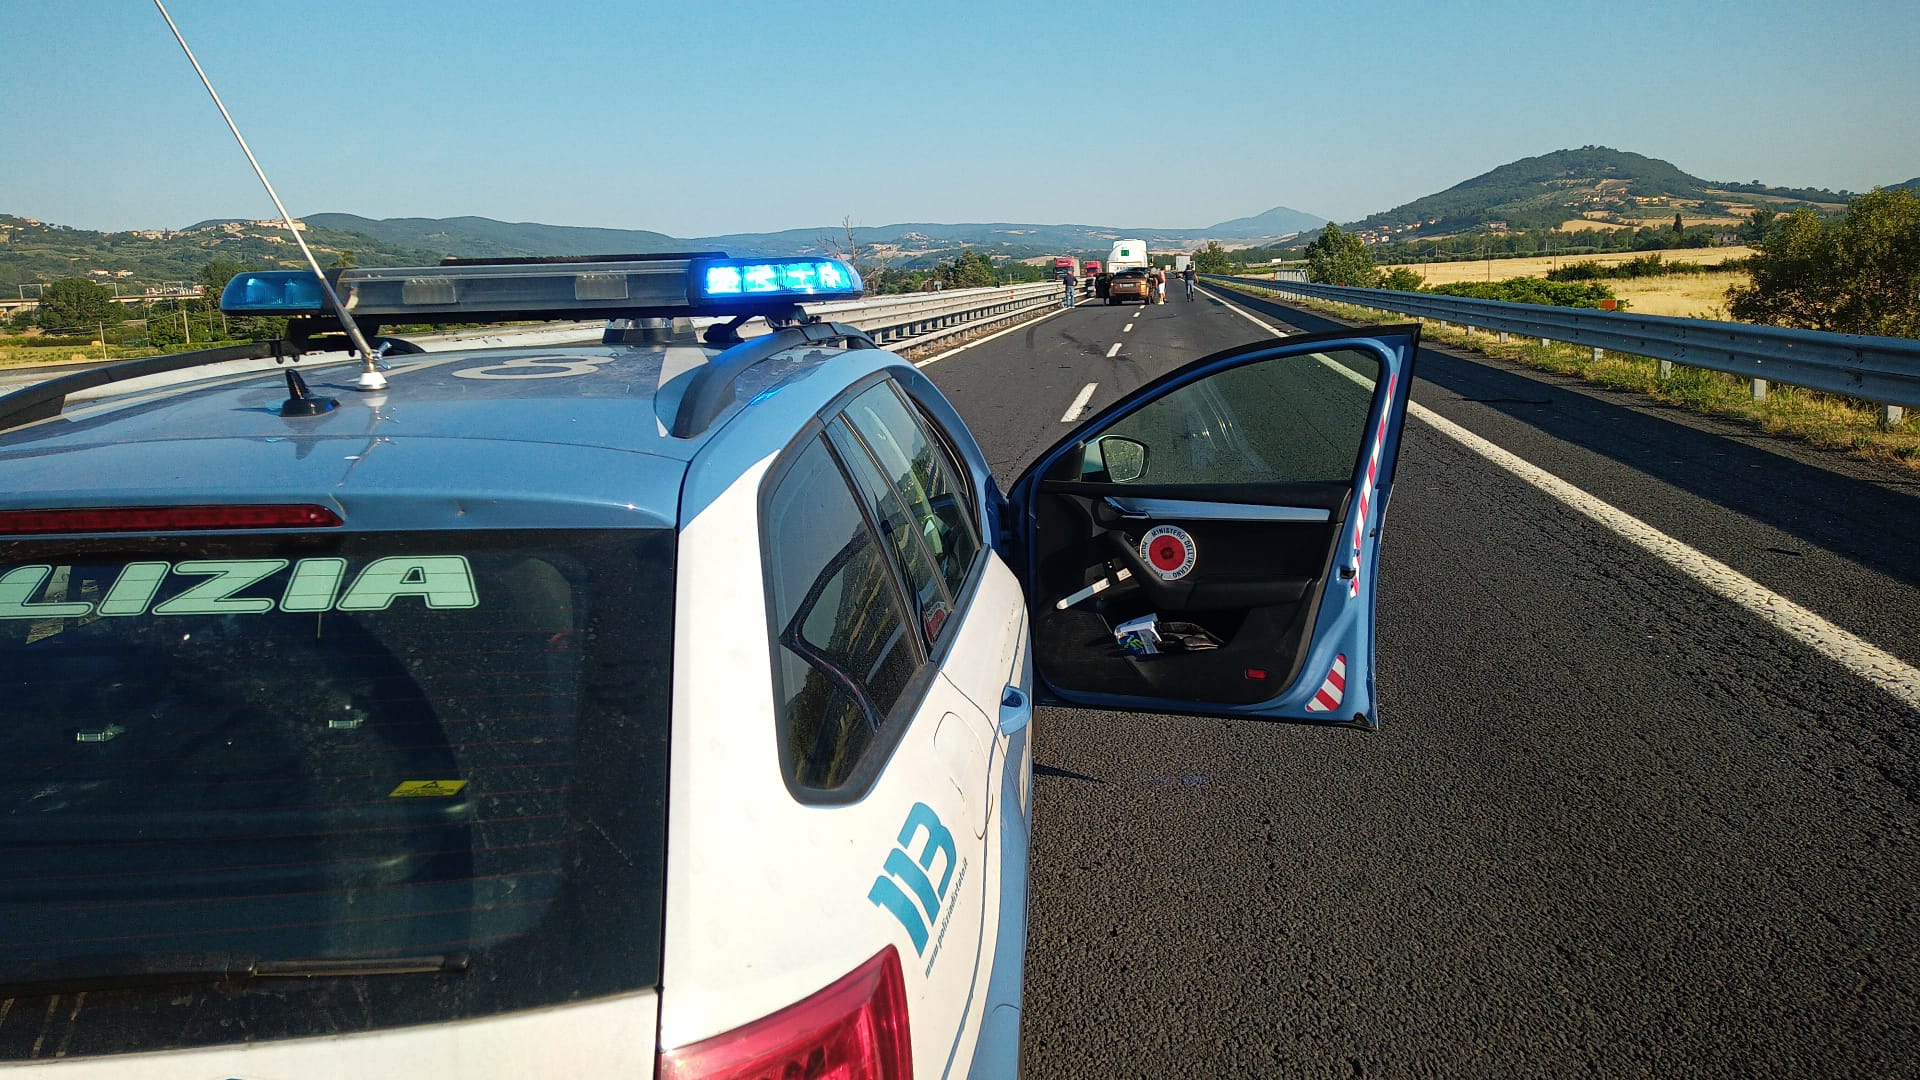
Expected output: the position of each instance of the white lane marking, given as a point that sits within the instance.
(1865, 659)
(1113, 352)
(936, 357)
(1244, 313)
(1127, 329)
(1857, 655)
(1080, 403)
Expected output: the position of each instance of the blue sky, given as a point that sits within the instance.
(705, 117)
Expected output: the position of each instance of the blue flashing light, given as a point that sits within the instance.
(274, 292)
(719, 281)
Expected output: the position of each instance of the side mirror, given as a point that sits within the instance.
(1126, 459)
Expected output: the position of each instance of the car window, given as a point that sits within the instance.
(315, 747)
(912, 556)
(919, 469)
(844, 653)
(1297, 419)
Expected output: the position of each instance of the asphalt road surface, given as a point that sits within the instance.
(1613, 824)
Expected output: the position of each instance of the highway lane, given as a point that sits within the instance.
(1612, 823)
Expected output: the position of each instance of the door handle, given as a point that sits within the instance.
(1123, 510)
(1016, 710)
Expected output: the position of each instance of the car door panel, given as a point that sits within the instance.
(1207, 544)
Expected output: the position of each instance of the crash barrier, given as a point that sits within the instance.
(1883, 370)
(925, 316)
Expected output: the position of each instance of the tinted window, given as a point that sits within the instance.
(845, 656)
(217, 751)
(902, 532)
(919, 470)
(1297, 419)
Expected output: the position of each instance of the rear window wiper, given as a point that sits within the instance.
(167, 969)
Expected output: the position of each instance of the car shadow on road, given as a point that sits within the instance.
(1048, 770)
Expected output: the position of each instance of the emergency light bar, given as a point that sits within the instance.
(476, 291)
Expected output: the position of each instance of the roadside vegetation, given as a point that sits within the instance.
(1829, 421)
(79, 320)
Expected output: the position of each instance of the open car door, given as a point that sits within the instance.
(1209, 543)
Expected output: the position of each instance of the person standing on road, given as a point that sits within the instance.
(1187, 276)
(1161, 284)
(1067, 279)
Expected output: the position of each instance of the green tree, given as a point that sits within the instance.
(1402, 279)
(76, 304)
(214, 277)
(165, 328)
(967, 270)
(1754, 230)
(1857, 275)
(1339, 257)
(1212, 259)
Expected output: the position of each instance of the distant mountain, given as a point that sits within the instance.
(1911, 185)
(904, 244)
(1596, 184)
(1279, 221)
(480, 237)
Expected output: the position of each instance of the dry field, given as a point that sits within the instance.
(1685, 295)
(1500, 269)
(1699, 296)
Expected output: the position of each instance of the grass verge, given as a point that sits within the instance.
(1828, 421)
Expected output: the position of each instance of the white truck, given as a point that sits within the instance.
(1127, 261)
(1181, 262)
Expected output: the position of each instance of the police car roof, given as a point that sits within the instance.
(475, 438)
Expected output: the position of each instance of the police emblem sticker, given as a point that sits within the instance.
(1169, 550)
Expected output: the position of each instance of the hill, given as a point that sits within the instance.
(904, 244)
(1279, 221)
(32, 250)
(1594, 187)
(479, 236)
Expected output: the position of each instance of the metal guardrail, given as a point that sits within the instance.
(1878, 369)
(890, 319)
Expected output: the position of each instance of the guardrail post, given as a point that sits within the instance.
(1599, 354)
(1891, 415)
(1666, 369)
(1503, 337)
(1759, 389)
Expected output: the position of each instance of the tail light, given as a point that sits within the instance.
(165, 518)
(855, 1029)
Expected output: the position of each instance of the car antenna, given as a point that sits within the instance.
(370, 377)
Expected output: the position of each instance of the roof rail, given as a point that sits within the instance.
(42, 400)
(711, 389)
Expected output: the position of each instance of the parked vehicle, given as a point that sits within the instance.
(658, 706)
(1125, 255)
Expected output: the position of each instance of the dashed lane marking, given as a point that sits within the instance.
(1080, 403)
(1113, 352)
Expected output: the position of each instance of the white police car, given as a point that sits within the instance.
(660, 706)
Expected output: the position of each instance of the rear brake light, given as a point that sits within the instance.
(164, 519)
(855, 1029)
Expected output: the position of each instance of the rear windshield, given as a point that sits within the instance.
(442, 754)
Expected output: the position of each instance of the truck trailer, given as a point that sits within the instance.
(1126, 274)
